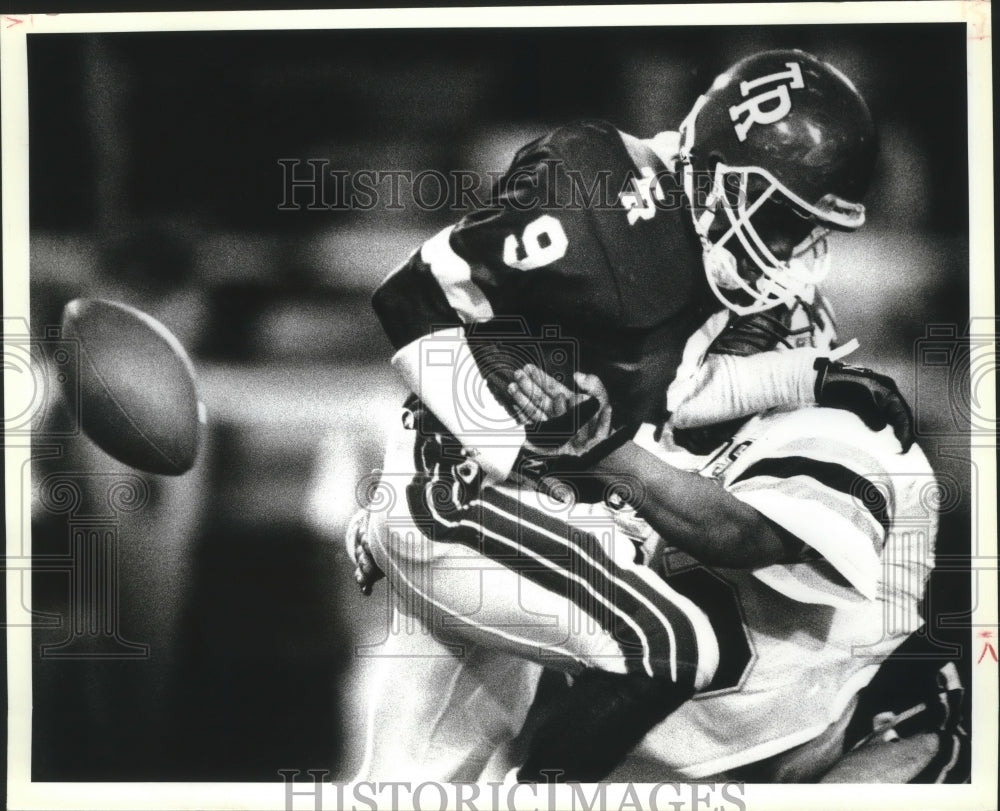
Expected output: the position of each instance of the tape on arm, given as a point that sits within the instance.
(441, 370)
(726, 387)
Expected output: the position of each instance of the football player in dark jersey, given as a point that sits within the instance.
(733, 208)
(731, 211)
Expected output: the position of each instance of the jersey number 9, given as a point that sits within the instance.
(542, 242)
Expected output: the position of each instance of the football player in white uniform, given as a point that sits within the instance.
(489, 581)
(804, 616)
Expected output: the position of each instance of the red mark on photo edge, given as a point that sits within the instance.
(987, 646)
(978, 18)
(979, 32)
(12, 21)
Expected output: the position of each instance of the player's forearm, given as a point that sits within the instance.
(423, 307)
(695, 514)
(441, 370)
(730, 386)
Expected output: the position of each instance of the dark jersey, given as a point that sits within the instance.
(588, 248)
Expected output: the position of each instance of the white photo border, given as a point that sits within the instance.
(15, 29)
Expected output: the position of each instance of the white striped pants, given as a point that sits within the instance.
(488, 583)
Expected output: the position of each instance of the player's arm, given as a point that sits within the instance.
(730, 387)
(424, 307)
(730, 373)
(692, 512)
(695, 514)
(458, 278)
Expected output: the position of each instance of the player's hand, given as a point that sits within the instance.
(872, 396)
(550, 410)
(366, 570)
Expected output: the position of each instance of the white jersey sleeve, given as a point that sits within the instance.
(834, 484)
(815, 631)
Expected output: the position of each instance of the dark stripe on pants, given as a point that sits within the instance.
(526, 532)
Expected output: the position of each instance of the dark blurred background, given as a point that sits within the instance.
(155, 179)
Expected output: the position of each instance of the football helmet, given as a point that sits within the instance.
(777, 153)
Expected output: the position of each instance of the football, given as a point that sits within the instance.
(136, 386)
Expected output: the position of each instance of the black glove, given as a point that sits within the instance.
(873, 397)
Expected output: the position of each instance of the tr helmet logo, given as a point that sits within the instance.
(778, 100)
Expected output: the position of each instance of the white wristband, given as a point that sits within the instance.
(441, 370)
(730, 386)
